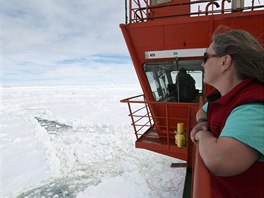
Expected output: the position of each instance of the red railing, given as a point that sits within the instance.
(142, 10)
(140, 114)
(138, 10)
(167, 115)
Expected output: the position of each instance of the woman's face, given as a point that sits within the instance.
(211, 67)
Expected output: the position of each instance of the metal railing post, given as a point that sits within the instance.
(167, 123)
(132, 118)
(148, 113)
(126, 12)
(130, 11)
(147, 10)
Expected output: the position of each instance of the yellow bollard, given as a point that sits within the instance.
(180, 138)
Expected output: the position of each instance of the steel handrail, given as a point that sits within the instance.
(135, 122)
(199, 13)
(137, 117)
(147, 9)
(142, 126)
(126, 99)
(138, 110)
(141, 117)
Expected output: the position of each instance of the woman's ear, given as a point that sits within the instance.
(226, 62)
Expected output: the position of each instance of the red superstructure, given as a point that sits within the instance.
(163, 36)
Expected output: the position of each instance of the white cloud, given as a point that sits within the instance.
(39, 37)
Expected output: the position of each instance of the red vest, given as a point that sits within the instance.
(251, 182)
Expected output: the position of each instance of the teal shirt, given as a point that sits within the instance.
(246, 124)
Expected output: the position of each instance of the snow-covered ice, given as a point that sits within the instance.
(77, 142)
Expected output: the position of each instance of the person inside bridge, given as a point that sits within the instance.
(185, 86)
(230, 127)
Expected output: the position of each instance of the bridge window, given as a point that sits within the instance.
(156, 2)
(164, 86)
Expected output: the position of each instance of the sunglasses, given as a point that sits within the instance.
(206, 56)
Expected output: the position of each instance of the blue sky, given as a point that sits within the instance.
(64, 42)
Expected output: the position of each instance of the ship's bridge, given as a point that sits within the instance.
(163, 37)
